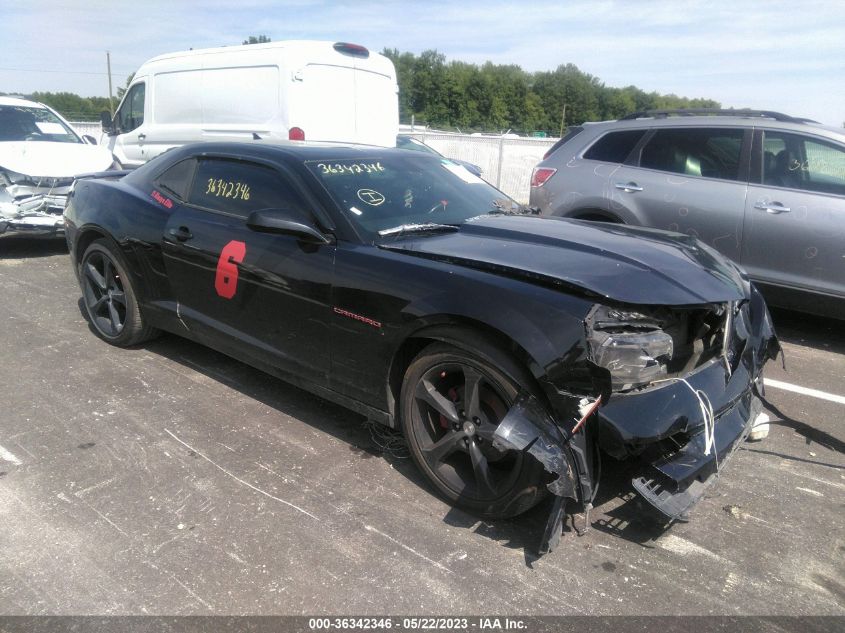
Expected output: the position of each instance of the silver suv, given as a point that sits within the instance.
(765, 189)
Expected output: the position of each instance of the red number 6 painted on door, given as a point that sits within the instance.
(226, 280)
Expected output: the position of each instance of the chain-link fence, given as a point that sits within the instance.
(505, 161)
(87, 127)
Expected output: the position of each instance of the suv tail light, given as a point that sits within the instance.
(540, 175)
(296, 134)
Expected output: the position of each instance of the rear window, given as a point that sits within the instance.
(177, 178)
(570, 134)
(614, 147)
(707, 152)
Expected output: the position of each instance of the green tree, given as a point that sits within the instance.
(261, 39)
(72, 106)
(121, 90)
(404, 63)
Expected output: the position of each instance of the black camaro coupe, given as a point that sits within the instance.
(509, 349)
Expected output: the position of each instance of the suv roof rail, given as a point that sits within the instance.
(662, 114)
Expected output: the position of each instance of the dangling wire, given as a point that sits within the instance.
(707, 413)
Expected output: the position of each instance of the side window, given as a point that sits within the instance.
(177, 178)
(131, 113)
(239, 188)
(614, 147)
(801, 162)
(707, 152)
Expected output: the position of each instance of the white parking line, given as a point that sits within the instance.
(9, 457)
(815, 393)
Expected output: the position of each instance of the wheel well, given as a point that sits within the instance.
(468, 336)
(596, 215)
(84, 241)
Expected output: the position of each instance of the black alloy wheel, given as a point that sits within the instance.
(452, 403)
(102, 289)
(110, 301)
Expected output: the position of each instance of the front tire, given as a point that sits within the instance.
(111, 302)
(451, 403)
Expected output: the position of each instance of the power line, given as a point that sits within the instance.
(63, 72)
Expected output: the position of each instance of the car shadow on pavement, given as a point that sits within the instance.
(273, 392)
(809, 433)
(808, 330)
(25, 248)
(618, 511)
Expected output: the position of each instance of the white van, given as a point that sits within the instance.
(297, 90)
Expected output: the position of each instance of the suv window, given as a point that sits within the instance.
(131, 113)
(801, 162)
(571, 133)
(239, 188)
(614, 147)
(707, 152)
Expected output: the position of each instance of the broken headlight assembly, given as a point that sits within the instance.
(631, 346)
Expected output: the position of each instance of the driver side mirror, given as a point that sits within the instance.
(107, 123)
(286, 221)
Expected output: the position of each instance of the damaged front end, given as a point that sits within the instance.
(677, 389)
(32, 206)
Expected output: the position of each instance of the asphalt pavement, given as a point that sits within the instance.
(169, 479)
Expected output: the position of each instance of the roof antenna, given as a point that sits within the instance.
(255, 136)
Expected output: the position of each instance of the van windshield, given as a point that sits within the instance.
(403, 188)
(22, 123)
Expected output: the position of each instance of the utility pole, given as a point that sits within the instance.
(563, 121)
(108, 67)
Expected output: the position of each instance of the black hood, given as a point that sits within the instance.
(626, 264)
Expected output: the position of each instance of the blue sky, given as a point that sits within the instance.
(787, 56)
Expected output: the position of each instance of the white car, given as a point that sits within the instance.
(40, 153)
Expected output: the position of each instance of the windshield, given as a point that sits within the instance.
(404, 188)
(22, 123)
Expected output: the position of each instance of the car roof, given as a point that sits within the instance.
(797, 125)
(298, 150)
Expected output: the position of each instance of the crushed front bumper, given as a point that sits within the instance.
(39, 215)
(667, 427)
(683, 430)
(675, 483)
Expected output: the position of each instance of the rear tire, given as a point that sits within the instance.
(451, 403)
(111, 303)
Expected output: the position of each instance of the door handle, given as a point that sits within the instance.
(142, 136)
(771, 207)
(629, 187)
(182, 233)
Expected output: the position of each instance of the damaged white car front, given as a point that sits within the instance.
(39, 155)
